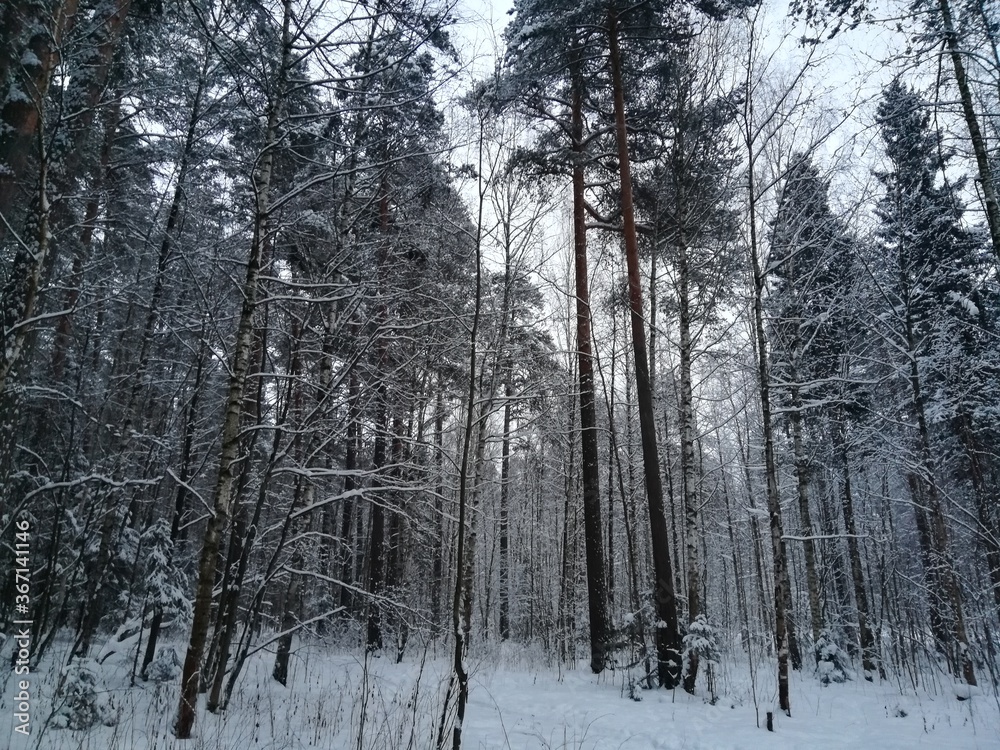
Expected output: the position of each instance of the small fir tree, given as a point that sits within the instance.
(701, 645)
(832, 662)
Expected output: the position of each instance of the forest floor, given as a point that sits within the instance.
(339, 700)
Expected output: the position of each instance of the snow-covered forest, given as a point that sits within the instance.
(610, 375)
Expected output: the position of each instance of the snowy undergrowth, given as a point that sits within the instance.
(343, 700)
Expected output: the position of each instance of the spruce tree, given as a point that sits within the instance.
(930, 262)
(812, 327)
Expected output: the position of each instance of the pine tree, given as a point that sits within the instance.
(684, 199)
(535, 33)
(943, 24)
(629, 31)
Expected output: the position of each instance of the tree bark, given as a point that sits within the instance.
(376, 538)
(986, 182)
(782, 588)
(805, 516)
(350, 485)
(21, 115)
(234, 400)
(242, 538)
(503, 604)
(668, 641)
(292, 603)
(590, 469)
(437, 564)
(869, 654)
(19, 295)
(688, 469)
(458, 632)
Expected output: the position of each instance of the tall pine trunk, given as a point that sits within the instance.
(376, 538)
(21, 116)
(668, 641)
(503, 603)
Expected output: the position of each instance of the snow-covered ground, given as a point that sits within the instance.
(336, 700)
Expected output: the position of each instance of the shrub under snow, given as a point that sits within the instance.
(166, 666)
(82, 702)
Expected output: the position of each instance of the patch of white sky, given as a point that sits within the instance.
(831, 115)
(478, 37)
(846, 79)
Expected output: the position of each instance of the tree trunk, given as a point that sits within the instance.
(292, 604)
(782, 588)
(503, 604)
(688, 469)
(21, 116)
(437, 564)
(986, 182)
(461, 675)
(805, 517)
(242, 536)
(566, 583)
(20, 125)
(668, 641)
(234, 401)
(20, 294)
(350, 485)
(597, 592)
(869, 654)
(743, 610)
(376, 538)
(396, 559)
